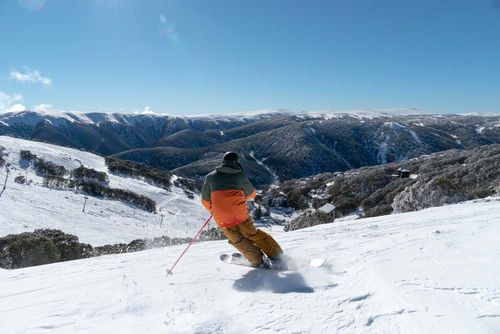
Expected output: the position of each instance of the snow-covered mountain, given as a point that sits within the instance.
(25, 207)
(31, 117)
(275, 144)
(432, 271)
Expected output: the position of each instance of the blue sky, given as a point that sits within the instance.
(206, 56)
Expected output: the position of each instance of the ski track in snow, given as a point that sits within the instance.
(432, 271)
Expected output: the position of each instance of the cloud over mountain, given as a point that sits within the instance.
(30, 76)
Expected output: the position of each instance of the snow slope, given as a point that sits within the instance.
(433, 271)
(28, 207)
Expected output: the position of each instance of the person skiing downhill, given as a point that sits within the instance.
(224, 194)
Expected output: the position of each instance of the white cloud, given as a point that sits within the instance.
(31, 76)
(17, 107)
(43, 107)
(10, 102)
(148, 111)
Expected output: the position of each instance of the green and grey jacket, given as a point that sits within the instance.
(225, 192)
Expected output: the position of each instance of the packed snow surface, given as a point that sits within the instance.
(433, 271)
(28, 207)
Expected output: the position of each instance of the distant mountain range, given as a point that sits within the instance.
(274, 144)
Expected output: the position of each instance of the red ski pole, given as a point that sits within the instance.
(169, 271)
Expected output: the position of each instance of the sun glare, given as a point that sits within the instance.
(31, 5)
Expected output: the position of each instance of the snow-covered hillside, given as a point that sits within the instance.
(279, 143)
(433, 271)
(28, 207)
(31, 117)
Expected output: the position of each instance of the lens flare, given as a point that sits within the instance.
(31, 5)
(168, 28)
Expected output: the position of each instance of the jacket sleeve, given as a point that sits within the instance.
(248, 188)
(206, 196)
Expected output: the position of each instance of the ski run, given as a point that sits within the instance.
(432, 271)
(28, 207)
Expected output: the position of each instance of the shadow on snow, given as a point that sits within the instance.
(272, 280)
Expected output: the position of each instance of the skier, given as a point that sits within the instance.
(224, 195)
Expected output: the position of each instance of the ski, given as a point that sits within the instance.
(237, 259)
(287, 264)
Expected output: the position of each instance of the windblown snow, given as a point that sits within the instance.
(432, 271)
(28, 207)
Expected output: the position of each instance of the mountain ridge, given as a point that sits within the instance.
(274, 145)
